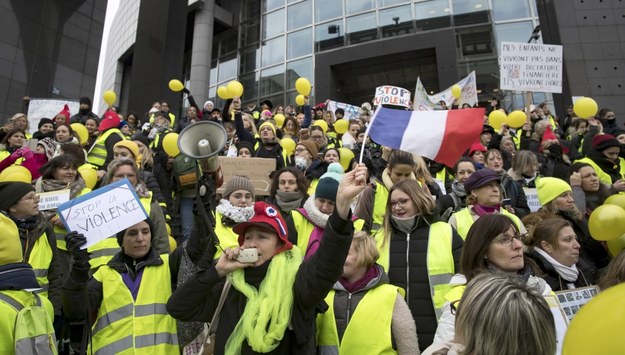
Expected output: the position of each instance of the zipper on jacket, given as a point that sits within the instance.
(407, 267)
(349, 307)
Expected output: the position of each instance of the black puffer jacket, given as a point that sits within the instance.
(408, 270)
(591, 250)
(587, 275)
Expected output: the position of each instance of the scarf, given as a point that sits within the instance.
(569, 273)
(288, 201)
(26, 223)
(142, 190)
(481, 210)
(269, 308)
(458, 189)
(236, 214)
(352, 287)
(318, 218)
(404, 224)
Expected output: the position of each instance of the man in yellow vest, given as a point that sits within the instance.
(101, 153)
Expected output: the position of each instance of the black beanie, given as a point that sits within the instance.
(11, 192)
(85, 100)
(44, 121)
(141, 138)
(120, 235)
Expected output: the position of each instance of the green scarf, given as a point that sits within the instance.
(268, 310)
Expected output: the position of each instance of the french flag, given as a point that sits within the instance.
(442, 136)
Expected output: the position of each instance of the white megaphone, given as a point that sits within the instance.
(203, 141)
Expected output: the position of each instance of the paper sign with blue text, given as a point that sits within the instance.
(392, 95)
(103, 212)
(51, 200)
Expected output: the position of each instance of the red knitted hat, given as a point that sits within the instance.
(65, 112)
(265, 216)
(602, 142)
(477, 147)
(110, 120)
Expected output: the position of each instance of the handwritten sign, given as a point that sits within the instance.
(530, 67)
(103, 212)
(48, 108)
(351, 111)
(52, 199)
(256, 169)
(424, 102)
(531, 194)
(391, 95)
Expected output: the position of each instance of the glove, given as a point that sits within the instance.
(17, 154)
(27, 153)
(74, 241)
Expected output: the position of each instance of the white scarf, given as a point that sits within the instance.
(318, 218)
(569, 273)
(237, 214)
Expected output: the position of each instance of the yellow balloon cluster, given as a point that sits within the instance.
(175, 85)
(585, 107)
(302, 85)
(16, 173)
(496, 119)
(89, 174)
(170, 145)
(300, 100)
(231, 90)
(109, 97)
(516, 119)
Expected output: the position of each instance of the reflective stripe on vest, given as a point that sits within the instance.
(379, 206)
(464, 220)
(227, 237)
(368, 330)
(98, 153)
(124, 324)
(103, 251)
(440, 261)
(40, 259)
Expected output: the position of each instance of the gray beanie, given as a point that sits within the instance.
(238, 182)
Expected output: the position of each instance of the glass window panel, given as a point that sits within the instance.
(391, 2)
(355, 6)
(513, 32)
(228, 42)
(396, 21)
(327, 9)
(329, 35)
(251, 9)
(432, 14)
(475, 41)
(507, 10)
(250, 85)
(299, 43)
(250, 59)
(361, 28)
(212, 80)
(469, 12)
(273, 24)
(299, 15)
(298, 68)
(227, 68)
(466, 6)
(212, 92)
(272, 81)
(250, 32)
(277, 99)
(273, 51)
(272, 4)
(290, 99)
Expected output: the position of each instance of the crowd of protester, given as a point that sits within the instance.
(388, 253)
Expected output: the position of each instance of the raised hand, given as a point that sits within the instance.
(352, 183)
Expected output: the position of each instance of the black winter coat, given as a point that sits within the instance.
(196, 300)
(408, 270)
(587, 276)
(591, 250)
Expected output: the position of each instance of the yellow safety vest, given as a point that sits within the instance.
(464, 220)
(60, 231)
(603, 176)
(313, 187)
(103, 251)
(5, 154)
(40, 259)
(440, 261)
(455, 294)
(227, 237)
(142, 326)
(172, 119)
(380, 200)
(18, 299)
(368, 330)
(305, 228)
(98, 153)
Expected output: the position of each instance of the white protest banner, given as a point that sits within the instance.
(52, 199)
(531, 194)
(351, 111)
(530, 67)
(103, 212)
(424, 102)
(256, 169)
(48, 108)
(391, 95)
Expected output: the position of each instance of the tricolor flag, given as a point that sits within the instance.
(439, 135)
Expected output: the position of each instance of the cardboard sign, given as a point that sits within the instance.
(51, 200)
(391, 95)
(256, 169)
(424, 102)
(351, 111)
(530, 67)
(48, 108)
(572, 300)
(103, 212)
(531, 194)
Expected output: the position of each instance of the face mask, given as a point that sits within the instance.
(555, 150)
(301, 163)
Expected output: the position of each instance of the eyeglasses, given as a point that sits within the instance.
(300, 150)
(506, 240)
(399, 203)
(239, 196)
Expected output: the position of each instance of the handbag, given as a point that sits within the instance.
(208, 347)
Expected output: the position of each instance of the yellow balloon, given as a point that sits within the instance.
(109, 97)
(585, 107)
(321, 123)
(172, 244)
(89, 174)
(615, 246)
(223, 92)
(16, 173)
(598, 326)
(341, 126)
(288, 145)
(496, 119)
(170, 144)
(175, 85)
(607, 222)
(456, 91)
(302, 85)
(516, 119)
(81, 132)
(168, 228)
(346, 157)
(235, 88)
(300, 100)
(279, 118)
(618, 200)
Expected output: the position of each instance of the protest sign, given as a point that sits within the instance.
(351, 111)
(48, 108)
(560, 320)
(103, 212)
(424, 102)
(531, 194)
(530, 67)
(256, 169)
(52, 199)
(572, 300)
(391, 95)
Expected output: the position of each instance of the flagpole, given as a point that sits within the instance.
(364, 140)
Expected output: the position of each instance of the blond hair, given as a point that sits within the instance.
(366, 249)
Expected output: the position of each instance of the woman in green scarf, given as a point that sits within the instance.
(273, 301)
